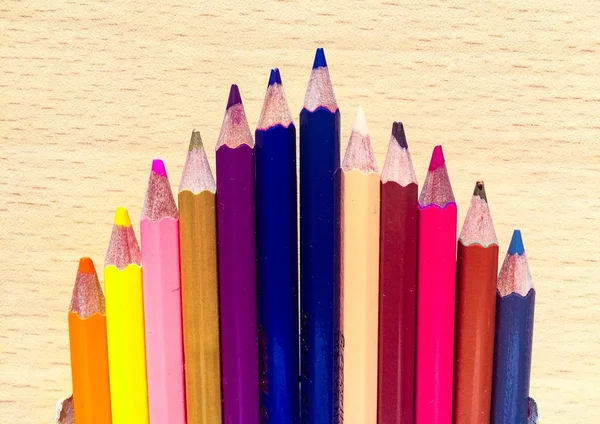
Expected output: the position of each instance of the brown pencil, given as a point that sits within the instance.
(397, 283)
(477, 266)
(199, 286)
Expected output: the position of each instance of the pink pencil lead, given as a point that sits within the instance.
(158, 167)
(437, 158)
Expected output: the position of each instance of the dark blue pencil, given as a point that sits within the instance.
(277, 252)
(319, 275)
(515, 303)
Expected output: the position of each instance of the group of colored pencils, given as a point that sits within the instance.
(389, 320)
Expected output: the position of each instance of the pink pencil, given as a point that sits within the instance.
(162, 301)
(435, 295)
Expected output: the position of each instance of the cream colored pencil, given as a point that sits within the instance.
(360, 275)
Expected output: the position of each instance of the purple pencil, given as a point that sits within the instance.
(237, 265)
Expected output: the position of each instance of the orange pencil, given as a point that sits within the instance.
(89, 353)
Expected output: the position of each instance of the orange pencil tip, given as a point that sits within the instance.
(86, 266)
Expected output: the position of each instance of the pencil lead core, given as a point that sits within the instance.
(480, 190)
(398, 134)
(86, 266)
(195, 140)
(122, 217)
(516, 244)
(320, 61)
(437, 158)
(360, 123)
(234, 96)
(158, 167)
(275, 77)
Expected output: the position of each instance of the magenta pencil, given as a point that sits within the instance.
(435, 295)
(162, 301)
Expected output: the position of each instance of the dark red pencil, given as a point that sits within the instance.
(397, 283)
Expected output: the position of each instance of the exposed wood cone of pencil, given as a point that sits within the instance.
(199, 286)
(360, 275)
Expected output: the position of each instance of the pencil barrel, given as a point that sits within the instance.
(200, 306)
(277, 269)
(126, 346)
(512, 357)
(237, 283)
(89, 369)
(359, 294)
(477, 268)
(162, 319)
(397, 303)
(435, 314)
(319, 275)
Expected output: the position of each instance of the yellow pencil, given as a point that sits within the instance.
(125, 324)
(360, 275)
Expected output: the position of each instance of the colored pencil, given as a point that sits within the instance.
(125, 324)
(277, 254)
(159, 233)
(65, 413)
(477, 268)
(199, 287)
(89, 354)
(435, 295)
(359, 274)
(319, 234)
(515, 303)
(237, 264)
(397, 283)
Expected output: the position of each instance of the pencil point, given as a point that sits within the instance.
(516, 244)
(360, 123)
(398, 133)
(158, 167)
(86, 266)
(320, 61)
(437, 158)
(275, 77)
(480, 190)
(195, 140)
(122, 217)
(234, 96)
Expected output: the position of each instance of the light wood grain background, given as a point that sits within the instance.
(91, 91)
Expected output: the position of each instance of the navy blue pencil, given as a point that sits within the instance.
(319, 234)
(515, 301)
(277, 252)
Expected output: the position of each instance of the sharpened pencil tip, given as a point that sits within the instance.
(360, 123)
(234, 96)
(275, 77)
(158, 167)
(86, 266)
(516, 244)
(437, 158)
(398, 133)
(122, 217)
(320, 61)
(480, 190)
(195, 140)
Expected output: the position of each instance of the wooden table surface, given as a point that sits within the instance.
(91, 91)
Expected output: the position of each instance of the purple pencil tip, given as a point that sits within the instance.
(234, 96)
(158, 167)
